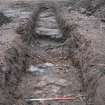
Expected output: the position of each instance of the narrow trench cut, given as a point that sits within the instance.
(48, 73)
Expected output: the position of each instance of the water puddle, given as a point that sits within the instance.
(47, 25)
(16, 13)
(41, 69)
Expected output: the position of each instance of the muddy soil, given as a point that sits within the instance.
(53, 76)
(42, 69)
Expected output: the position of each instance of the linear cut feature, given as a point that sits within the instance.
(80, 50)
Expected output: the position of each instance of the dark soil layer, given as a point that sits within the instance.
(4, 19)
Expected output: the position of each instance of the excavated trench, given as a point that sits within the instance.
(48, 62)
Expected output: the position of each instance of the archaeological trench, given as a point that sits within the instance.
(50, 56)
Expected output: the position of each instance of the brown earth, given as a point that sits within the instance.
(49, 67)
